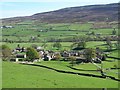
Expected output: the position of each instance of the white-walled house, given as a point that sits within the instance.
(18, 57)
(6, 27)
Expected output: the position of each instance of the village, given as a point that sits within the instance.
(70, 46)
(19, 54)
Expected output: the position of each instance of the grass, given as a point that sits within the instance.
(61, 29)
(20, 76)
(61, 65)
(83, 68)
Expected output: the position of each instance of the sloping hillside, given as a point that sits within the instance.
(107, 12)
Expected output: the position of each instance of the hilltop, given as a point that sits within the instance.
(95, 13)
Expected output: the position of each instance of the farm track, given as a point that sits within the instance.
(76, 73)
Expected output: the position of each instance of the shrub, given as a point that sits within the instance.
(57, 56)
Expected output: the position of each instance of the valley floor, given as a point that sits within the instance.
(24, 76)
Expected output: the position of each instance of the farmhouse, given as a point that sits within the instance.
(6, 27)
(18, 49)
(48, 55)
(39, 48)
(65, 54)
(18, 57)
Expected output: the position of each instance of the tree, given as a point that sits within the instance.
(33, 38)
(117, 45)
(114, 32)
(115, 66)
(57, 45)
(38, 35)
(108, 42)
(6, 52)
(32, 54)
(18, 46)
(93, 33)
(89, 54)
(104, 57)
(72, 58)
(78, 45)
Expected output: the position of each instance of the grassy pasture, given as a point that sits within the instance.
(61, 65)
(83, 68)
(25, 30)
(20, 76)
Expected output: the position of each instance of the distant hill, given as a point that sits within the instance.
(96, 13)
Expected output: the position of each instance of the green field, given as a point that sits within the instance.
(87, 68)
(24, 30)
(23, 76)
(26, 76)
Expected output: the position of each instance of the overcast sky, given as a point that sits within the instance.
(13, 8)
